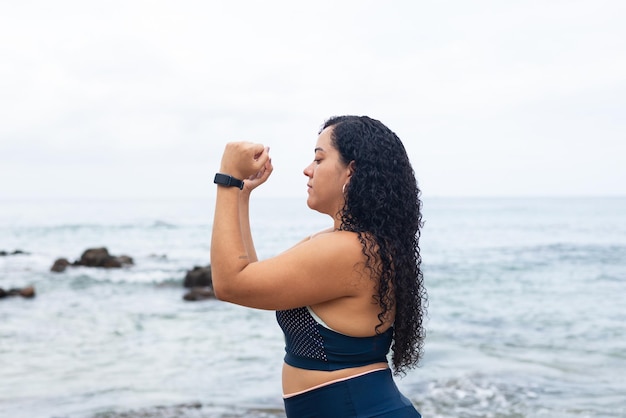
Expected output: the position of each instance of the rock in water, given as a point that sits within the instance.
(199, 277)
(94, 257)
(60, 264)
(199, 293)
(26, 292)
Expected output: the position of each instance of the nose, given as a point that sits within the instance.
(308, 170)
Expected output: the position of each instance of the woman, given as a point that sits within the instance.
(344, 296)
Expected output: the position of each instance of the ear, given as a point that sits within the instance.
(351, 168)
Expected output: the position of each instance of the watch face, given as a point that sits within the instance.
(228, 181)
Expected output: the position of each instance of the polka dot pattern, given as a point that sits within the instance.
(302, 337)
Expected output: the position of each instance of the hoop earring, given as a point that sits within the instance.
(343, 189)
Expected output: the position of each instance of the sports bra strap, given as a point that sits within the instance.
(318, 319)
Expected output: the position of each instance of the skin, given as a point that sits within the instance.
(338, 289)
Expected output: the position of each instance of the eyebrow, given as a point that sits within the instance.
(319, 149)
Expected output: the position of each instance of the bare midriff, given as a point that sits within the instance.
(297, 380)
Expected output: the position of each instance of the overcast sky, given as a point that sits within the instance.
(137, 98)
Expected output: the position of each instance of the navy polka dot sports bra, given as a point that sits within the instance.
(310, 344)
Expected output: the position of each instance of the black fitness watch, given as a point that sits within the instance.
(228, 181)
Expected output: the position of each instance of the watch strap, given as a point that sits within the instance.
(228, 181)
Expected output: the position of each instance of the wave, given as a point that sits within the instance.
(572, 253)
(516, 258)
(156, 224)
(476, 396)
(196, 410)
(80, 277)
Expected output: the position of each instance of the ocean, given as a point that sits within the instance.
(526, 311)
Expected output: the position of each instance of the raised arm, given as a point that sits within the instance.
(231, 240)
(324, 268)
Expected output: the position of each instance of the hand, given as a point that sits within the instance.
(260, 177)
(244, 159)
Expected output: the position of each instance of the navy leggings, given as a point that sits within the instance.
(373, 394)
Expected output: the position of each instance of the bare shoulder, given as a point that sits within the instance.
(335, 257)
(333, 243)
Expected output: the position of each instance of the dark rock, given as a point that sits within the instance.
(16, 252)
(117, 262)
(199, 293)
(60, 265)
(124, 259)
(199, 277)
(26, 292)
(94, 257)
(111, 263)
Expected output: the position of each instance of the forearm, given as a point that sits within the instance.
(244, 222)
(228, 250)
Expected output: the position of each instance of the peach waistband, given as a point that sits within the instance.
(289, 395)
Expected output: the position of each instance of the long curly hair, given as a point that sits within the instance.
(383, 206)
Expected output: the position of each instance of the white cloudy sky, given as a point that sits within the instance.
(137, 98)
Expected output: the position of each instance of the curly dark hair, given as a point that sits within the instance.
(383, 206)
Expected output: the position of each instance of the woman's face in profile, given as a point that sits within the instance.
(327, 175)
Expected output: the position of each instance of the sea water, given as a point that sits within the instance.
(526, 311)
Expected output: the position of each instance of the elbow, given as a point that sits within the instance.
(218, 283)
(222, 291)
(227, 286)
(219, 295)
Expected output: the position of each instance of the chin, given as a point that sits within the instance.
(311, 204)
